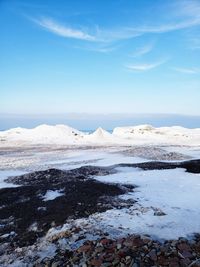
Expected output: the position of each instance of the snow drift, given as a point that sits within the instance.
(131, 135)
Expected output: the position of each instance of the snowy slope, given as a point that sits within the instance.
(132, 135)
(43, 134)
(163, 135)
(99, 136)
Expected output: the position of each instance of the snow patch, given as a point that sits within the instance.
(7, 173)
(174, 192)
(51, 195)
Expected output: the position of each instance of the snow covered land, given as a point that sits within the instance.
(162, 202)
(136, 135)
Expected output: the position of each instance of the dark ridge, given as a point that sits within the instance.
(192, 166)
(55, 176)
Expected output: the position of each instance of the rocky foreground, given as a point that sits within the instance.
(132, 251)
(26, 217)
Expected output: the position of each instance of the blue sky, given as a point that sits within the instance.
(100, 56)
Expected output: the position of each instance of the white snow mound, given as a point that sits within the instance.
(130, 135)
(43, 134)
(99, 136)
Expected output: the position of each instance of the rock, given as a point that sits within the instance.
(96, 262)
(159, 212)
(187, 254)
(84, 248)
(183, 247)
(115, 262)
(152, 255)
(56, 264)
(119, 246)
(174, 262)
(137, 242)
(105, 241)
(185, 262)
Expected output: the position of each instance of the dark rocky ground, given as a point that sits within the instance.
(192, 166)
(132, 251)
(22, 207)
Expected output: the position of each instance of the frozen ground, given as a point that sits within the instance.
(167, 205)
(175, 192)
(167, 200)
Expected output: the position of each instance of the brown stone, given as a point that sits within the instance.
(121, 254)
(105, 241)
(85, 248)
(162, 261)
(186, 254)
(96, 262)
(183, 247)
(137, 242)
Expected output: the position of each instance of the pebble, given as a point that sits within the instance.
(130, 251)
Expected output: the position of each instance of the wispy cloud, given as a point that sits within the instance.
(99, 48)
(186, 15)
(62, 30)
(144, 66)
(142, 50)
(194, 43)
(188, 70)
(181, 15)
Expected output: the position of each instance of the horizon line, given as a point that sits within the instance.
(99, 114)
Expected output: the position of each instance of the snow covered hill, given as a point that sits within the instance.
(43, 134)
(131, 135)
(162, 135)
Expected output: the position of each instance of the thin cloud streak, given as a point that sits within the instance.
(61, 30)
(99, 48)
(187, 70)
(188, 14)
(144, 66)
(189, 11)
(168, 27)
(142, 50)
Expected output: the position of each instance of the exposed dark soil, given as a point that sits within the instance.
(192, 166)
(24, 206)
